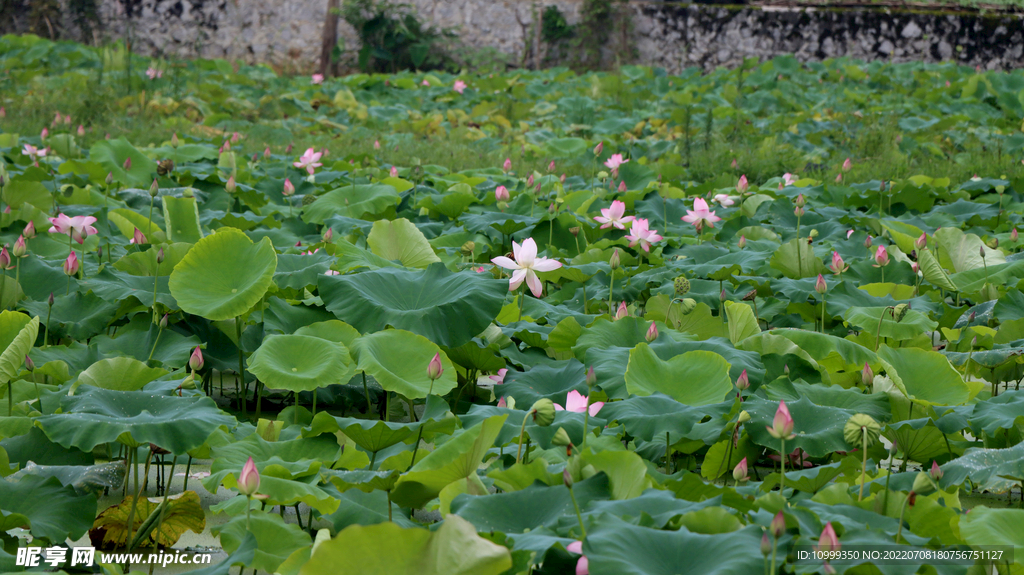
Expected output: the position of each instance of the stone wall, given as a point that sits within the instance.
(673, 35)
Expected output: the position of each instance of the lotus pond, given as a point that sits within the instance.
(542, 323)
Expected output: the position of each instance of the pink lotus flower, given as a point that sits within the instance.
(1014, 235)
(78, 227)
(81, 130)
(778, 525)
(582, 565)
(138, 238)
(849, 233)
(376, 144)
(621, 311)
(20, 249)
(551, 166)
(459, 86)
(434, 368)
(249, 479)
(507, 165)
(652, 333)
(639, 233)
(743, 381)
(613, 216)
(502, 403)
(45, 133)
(30, 230)
(289, 188)
(739, 473)
(734, 164)
(499, 378)
(935, 472)
(578, 403)
(828, 541)
(725, 200)
(394, 172)
(70, 264)
(881, 257)
(317, 79)
(838, 266)
(789, 179)
(425, 83)
(820, 286)
(922, 241)
(700, 215)
(743, 185)
(33, 152)
(622, 186)
(153, 73)
(742, 243)
(526, 266)
(328, 235)
(866, 375)
(501, 194)
(868, 241)
(195, 361)
(782, 424)
(847, 165)
(600, 148)
(5, 258)
(309, 161)
(615, 161)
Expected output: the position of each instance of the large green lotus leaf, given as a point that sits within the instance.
(141, 337)
(551, 381)
(924, 375)
(506, 223)
(626, 471)
(603, 334)
(456, 459)
(331, 330)
(115, 286)
(244, 554)
(55, 512)
(371, 435)
(473, 355)
(986, 526)
(398, 360)
(362, 479)
(281, 316)
(693, 378)
(78, 316)
(118, 373)
(300, 362)
(1001, 412)
(933, 272)
(127, 221)
(275, 539)
(973, 281)
(351, 202)
(40, 278)
(287, 459)
(400, 240)
(995, 470)
(300, 271)
(17, 337)
(356, 507)
(387, 549)
(93, 479)
(349, 257)
(742, 323)
(279, 491)
(874, 404)
(818, 428)
(223, 275)
(912, 325)
(111, 154)
(144, 263)
(655, 415)
(176, 424)
(535, 506)
(181, 217)
(830, 352)
(795, 259)
(962, 252)
(447, 308)
(617, 548)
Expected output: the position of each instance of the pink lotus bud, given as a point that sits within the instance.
(739, 473)
(163, 321)
(743, 381)
(921, 242)
(376, 144)
(529, 181)
(434, 368)
(255, 157)
(159, 256)
(174, 140)
(798, 211)
(722, 296)
(138, 238)
(614, 260)
(70, 264)
(288, 150)
(743, 185)
(782, 424)
(249, 479)
(935, 472)
(394, 172)
(110, 178)
(230, 186)
(766, 545)
(828, 541)
(551, 166)
(881, 256)
(734, 164)
(652, 333)
(778, 525)
(43, 135)
(847, 165)
(30, 230)
(20, 249)
(127, 165)
(81, 130)
(49, 300)
(235, 136)
(820, 286)
(29, 364)
(868, 241)
(501, 194)
(867, 377)
(1013, 235)
(742, 243)
(289, 188)
(507, 165)
(591, 377)
(328, 235)
(622, 186)
(226, 146)
(561, 180)
(195, 361)
(621, 312)
(915, 267)
(598, 148)
(5, 258)
(67, 119)
(800, 201)
(266, 153)
(839, 178)
(838, 266)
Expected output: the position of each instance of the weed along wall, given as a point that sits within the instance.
(669, 34)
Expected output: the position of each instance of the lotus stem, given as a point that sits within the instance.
(579, 516)
(823, 313)
(522, 430)
(10, 398)
(864, 463)
(188, 469)
(782, 484)
(135, 501)
(159, 332)
(522, 301)
(156, 280)
(878, 332)
(611, 290)
(903, 510)
(46, 328)
(248, 511)
(17, 278)
(314, 403)
(366, 391)
(775, 547)
(388, 491)
(668, 446)
(241, 368)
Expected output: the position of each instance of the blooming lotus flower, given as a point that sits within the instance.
(739, 473)
(501, 194)
(743, 185)
(639, 233)
(459, 86)
(138, 238)
(621, 311)
(526, 265)
(614, 162)
(317, 79)
(33, 152)
(70, 264)
(578, 403)
(789, 179)
(195, 361)
(782, 424)
(499, 378)
(725, 200)
(289, 188)
(249, 479)
(700, 215)
(881, 257)
(828, 541)
(613, 216)
(838, 266)
(434, 368)
(652, 333)
(78, 227)
(309, 161)
(582, 565)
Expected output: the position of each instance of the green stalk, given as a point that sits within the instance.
(903, 510)
(579, 516)
(775, 546)
(522, 430)
(864, 463)
(611, 289)
(46, 328)
(822, 313)
(522, 300)
(248, 511)
(366, 391)
(241, 368)
(155, 342)
(135, 500)
(782, 479)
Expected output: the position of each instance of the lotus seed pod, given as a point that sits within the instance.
(687, 305)
(923, 484)
(681, 285)
(561, 438)
(861, 431)
(468, 248)
(543, 412)
(900, 311)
